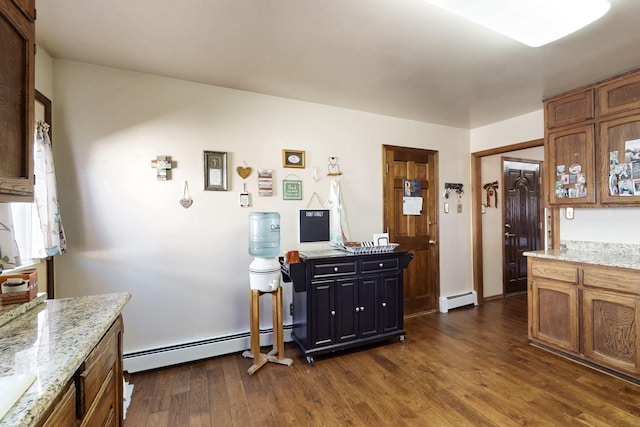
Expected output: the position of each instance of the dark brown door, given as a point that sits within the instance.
(521, 220)
(417, 234)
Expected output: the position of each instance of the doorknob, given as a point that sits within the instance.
(507, 234)
(432, 242)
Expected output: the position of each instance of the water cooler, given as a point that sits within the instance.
(264, 245)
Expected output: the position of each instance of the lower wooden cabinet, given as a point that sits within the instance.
(554, 314)
(64, 412)
(611, 332)
(94, 397)
(588, 312)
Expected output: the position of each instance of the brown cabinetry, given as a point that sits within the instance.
(570, 109)
(588, 312)
(17, 76)
(593, 154)
(572, 152)
(64, 412)
(95, 396)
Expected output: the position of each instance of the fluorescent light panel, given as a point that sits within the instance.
(532, 22)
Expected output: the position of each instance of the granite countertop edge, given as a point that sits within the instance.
(62, 333)
(604, 254)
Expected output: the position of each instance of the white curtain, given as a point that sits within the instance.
(53, 241)
(9, 256)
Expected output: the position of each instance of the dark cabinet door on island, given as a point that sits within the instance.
(346, 301)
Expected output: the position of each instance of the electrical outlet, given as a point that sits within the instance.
(291, 309)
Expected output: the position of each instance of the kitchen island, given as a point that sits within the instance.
(584, 303)
(73, 348)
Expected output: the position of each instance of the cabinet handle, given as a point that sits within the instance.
(381, 265)
(384, 304)
(333, 312)
(357, 309)
(361, 308)
(335, 269)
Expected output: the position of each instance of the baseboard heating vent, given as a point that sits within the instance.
(160, 357)
(459, 300)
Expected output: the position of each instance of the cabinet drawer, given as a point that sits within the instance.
(620, 95)
(570, 109)
(616, 279)
(95, 370)
(334, 269)
(382, 264)
(102, 413)
(554, 271)
(64, 413)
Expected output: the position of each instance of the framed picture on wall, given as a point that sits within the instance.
(215, 171)
(292, 158)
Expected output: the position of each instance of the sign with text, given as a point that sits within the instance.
(314, 225)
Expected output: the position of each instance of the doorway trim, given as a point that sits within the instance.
(476, 207)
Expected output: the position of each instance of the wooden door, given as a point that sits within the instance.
(417, 234)
(521, 215)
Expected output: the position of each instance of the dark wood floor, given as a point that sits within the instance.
(470, 367)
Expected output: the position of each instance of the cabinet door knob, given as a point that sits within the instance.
(381, 265)
(335, 269)
(361, 308)
(357, 309)
(333, 312)
(384, 304)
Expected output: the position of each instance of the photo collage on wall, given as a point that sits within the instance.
(624, 178)
(571, 182)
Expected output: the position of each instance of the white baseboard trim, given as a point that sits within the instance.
(197, 350)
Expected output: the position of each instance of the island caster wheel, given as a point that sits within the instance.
(310, 360)
(403, 338)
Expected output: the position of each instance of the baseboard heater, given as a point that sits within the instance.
(197, 350)
(458, 300)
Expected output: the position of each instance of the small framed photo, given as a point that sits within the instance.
(293, 159)
(215, 171)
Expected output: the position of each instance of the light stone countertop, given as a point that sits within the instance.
(51, 340)
(606, 254)
(11, 311)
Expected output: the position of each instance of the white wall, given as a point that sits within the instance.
(187, 268)
(44, 73)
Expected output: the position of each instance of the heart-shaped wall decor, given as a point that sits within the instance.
(243, 171)
(186, 202)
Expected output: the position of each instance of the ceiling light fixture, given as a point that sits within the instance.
(532, 22)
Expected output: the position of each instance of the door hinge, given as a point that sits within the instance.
(387, 165)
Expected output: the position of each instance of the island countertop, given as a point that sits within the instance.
(605, 254)
(50, 341)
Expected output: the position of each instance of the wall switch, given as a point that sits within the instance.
(446, 207)
(568, 213)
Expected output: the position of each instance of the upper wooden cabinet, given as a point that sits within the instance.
(17, 76)
(28, 7)
(570, 153)
(592, 144)
(570, 109)
(620, 95)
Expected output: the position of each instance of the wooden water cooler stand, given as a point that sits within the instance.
(276, 355)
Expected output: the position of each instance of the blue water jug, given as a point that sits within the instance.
(264, 234)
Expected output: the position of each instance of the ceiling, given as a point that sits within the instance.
(401, 58)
